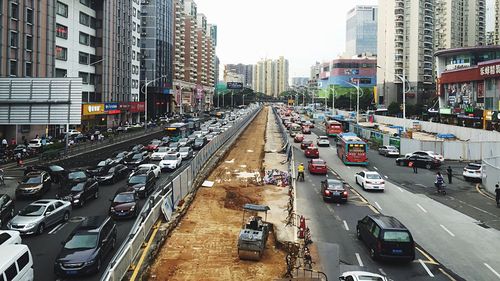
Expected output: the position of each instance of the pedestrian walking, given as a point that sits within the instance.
(13, 142)
(92, 137)
(414, 166)
(497, 193)
(449, 172)
(5, 143)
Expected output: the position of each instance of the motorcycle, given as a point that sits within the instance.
(440, 188)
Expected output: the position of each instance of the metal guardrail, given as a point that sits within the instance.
(175, 189)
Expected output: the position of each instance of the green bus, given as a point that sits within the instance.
(176, 131)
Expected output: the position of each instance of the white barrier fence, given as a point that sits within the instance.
(172, 191)
(491, 169)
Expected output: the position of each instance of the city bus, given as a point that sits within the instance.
(194, 124)
(351, 149)
(333, 128)
(176, 131)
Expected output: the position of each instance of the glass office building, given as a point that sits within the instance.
(361, 33)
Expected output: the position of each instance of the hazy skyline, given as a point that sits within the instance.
(302, 32)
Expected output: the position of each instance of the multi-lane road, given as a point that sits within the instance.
(451, 244)
(45, 247)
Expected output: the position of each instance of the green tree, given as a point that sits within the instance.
(394, 108)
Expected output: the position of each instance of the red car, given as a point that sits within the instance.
(306, 143)
(317, 166)
(298, 138)
(306, 130)
(153, 145)
(312, 152)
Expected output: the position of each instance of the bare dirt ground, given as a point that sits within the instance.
(204, 245)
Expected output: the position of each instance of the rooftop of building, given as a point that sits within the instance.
(463, 50)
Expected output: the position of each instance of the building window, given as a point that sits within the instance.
(14, 11)
(85, 2)
(84, 19)
(83, 58)
(61, 53)
(13, 68)
(84, 76)
(84, 38)
(62, 9)
(29, 42)
(92, 79)
(92, 41)
(28, 69)
(29, 15)
(61, 31)
(13, 39)
(61, 72)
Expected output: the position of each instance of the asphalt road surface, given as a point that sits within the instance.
(458, 243)
(46, 247)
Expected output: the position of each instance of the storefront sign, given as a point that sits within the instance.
(110, 106)
(490, 70)
(93, 108)
(445, 111)
(115, 111)
(137, 106)
(125, 106)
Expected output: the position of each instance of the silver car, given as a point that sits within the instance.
(39, 215)
(186, 152)
(388, 150)
(323, 141)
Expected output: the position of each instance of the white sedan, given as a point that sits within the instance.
(426, 153)
(162, 151)
(171, 161)
(370, 180)
(10, 237)
(152, 167)
(361, 276)
(323, 141)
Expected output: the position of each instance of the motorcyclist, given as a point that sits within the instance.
(439, 182)
(300, 170)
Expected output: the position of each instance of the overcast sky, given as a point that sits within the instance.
(302, 31)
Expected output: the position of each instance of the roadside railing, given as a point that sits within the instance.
(167, 197)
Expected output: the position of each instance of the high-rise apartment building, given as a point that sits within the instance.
(497, 23)
(28, 38)
(459, 23)
(157, 52)
(194, 58)
(299, 81)
(361, 30)
(246, 70)
(405, 47)
(271, 77)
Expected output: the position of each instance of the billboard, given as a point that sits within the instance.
(234, 85)
(40, 101)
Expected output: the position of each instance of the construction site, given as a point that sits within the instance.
(204, 246)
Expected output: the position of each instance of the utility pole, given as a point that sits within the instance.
(333, 99)
(146, 104)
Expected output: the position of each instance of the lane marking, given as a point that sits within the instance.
(426, 268)
(484, 194)
(447, 275)
(422, 208)
(359, 260)
(400, 189)
(314, 184)
(492, 270)
(330, 208)
(382, 271)
(386, 177)
(345, 225)
(446, 229)
(419, 184)
(378, 206)
(375, 168)
(429, 258)
(57, 228)
(349, 167)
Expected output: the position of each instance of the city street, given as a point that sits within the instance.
(446, 235)
(45, 247)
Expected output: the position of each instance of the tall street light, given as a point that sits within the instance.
(357, 98)
(403, 79)
(145, 87)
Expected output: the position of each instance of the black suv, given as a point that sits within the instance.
(386, 238)
(34, 184)
(81, 192)
(86, 247)
(143, 182)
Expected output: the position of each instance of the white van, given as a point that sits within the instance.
(9, 237)
(16, 263)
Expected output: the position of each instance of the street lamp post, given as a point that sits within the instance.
(357, 99)
(333, 99)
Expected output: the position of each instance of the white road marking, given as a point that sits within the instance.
(419, 184)
(348, 167)
(426, 268)
(386, 177)
(422, 208)
(346, 226)
(375, 168)
(359, 260)
(446, 229)
(382, 271)
(330, 208)
(492, 270)
(57, 228)
(378, 206)
(313, 184)
(400, 189)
